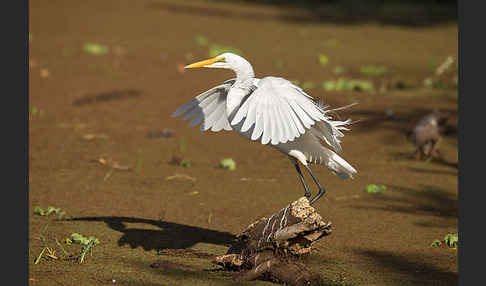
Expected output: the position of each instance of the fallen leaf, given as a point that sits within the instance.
(119, 167)
(89, 137)
(107, 175)
(95, 49)
(180, 176)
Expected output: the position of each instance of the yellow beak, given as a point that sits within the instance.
(203, 63)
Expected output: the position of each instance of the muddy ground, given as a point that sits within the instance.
(157, 222)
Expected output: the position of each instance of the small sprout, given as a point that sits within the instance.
(201, 40)
(436, 243)
(85, 248)
(308, 85)
(343, 84)
(372, 188)
(86, 243)
(62, 248)
(186, 163)
(50, 209)
(227, 163)
(80, 239)
(323, 59)
(39, 211)
(452, 239)
(372, 70)
(216, 49)
(329, 85)
(95, 49)
(40, 255)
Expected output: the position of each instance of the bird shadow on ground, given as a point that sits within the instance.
(106, 96)
(170, 236)
(428, 200)
(412, 265)
(440, 161)
(403, 119)
(428, 171)
(343, 12)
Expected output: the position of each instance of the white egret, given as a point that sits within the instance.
(273, 111)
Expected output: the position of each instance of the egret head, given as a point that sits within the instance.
(226, 61)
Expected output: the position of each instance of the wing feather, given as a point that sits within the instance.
(282, 125)
(258, 130)
(274, 125)
(285, 124)
(250, 115)
(209, 108)
(278, 110)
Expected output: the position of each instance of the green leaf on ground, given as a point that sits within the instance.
(95, 49)
(372, 188)
(372, 70)
(308, 85)
(452, 239)
(323, 59)
(343, 84)
(227, 163)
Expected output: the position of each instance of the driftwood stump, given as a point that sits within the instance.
(272, 248)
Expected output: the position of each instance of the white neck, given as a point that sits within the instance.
(244, 72)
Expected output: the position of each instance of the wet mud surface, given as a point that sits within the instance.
(102, 142)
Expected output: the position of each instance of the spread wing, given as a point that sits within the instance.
(209, 108)
(278, 111)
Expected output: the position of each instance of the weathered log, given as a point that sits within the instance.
(272, 248)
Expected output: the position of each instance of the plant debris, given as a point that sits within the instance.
(372, 188)
(164, 133)
(227, 163)
(180, 177)
(95, 49)
(48, 211)
(112, 164)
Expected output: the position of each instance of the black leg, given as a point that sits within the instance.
(321, 189)
(307, 193)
